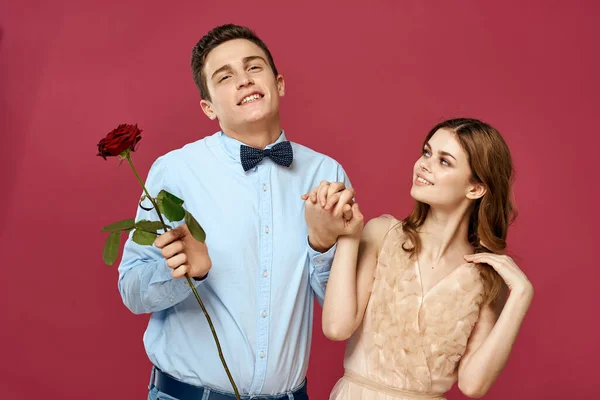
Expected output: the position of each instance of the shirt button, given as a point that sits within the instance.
(319, 261)
(171, 299)
(262, 354)
(264, 188)
(264, 314)
(267, 229)
(186, 284)
(265, 274)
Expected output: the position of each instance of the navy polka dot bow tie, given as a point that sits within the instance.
(281, 153)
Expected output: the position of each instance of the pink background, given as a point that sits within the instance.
(365, 82)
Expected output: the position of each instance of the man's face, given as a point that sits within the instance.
(242, 86)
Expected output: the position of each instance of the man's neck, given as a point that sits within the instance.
(258, 135)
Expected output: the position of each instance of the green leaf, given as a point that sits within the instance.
(194, 227)
(166, 195)
(120, 226)
(143, 238)
(149, 226)
(111, 248)
(170, 209)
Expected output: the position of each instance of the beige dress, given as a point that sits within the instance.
(410, 342)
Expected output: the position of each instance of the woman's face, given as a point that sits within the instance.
(442, 177)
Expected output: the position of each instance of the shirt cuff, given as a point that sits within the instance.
(200, 279)
(321, 260)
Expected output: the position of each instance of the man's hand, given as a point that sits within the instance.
(184, 254)
(328, 208)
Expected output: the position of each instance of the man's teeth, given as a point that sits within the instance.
(250, 98)
(423, 181)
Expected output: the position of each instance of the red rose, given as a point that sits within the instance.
(123, 138)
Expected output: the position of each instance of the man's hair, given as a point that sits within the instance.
(214, 38)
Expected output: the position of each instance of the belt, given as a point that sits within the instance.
(185, 391)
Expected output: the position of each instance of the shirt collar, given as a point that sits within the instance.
(231, 146)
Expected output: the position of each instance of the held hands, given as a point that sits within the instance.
(330, 213)
(184, 253)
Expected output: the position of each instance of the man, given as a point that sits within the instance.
(257, 272)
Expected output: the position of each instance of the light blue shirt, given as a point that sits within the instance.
(259, 292)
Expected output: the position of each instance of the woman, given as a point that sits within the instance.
(424, 300)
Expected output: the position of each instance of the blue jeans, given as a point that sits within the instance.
(155, 394)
